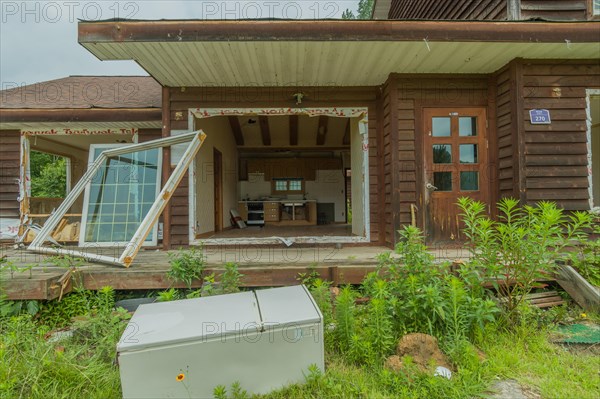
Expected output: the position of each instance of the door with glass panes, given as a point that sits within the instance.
(456, 165)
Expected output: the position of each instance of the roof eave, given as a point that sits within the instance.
(80, 115)
(336, 30)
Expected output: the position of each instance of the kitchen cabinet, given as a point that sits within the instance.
(272, 211)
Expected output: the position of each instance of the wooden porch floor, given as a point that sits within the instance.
(286, 231)
(262, 266)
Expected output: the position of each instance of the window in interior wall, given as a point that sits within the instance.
(293, 185)
(596, 7)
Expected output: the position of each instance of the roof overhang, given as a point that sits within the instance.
(328, 53)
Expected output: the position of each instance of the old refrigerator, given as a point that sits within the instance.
(263, 339)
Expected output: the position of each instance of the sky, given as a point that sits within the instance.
(38, 39)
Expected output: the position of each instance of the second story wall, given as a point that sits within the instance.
(492, 10)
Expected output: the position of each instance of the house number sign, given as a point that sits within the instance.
(539, 117)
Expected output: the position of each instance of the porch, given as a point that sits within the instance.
(261, 265)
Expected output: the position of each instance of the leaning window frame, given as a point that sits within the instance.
(86, 201)
(196, 140)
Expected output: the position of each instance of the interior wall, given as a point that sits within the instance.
(219, 136)
(329, 188)
(358, 179)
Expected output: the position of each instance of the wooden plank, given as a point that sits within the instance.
(236, 129)
(264, 130)
(166, 162)
(322, 129)
(586, 295)
(294, 129)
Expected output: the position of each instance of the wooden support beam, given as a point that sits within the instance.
(166, 161)
(293, 129)
(264, 130)
(346, 139)
(236, 129)
(322, 130)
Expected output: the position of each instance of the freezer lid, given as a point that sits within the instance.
(287, 305)
(173, 322)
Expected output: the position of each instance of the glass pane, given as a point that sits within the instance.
(295, 185)
(468, 153)
(442, 181)
(442, 153)
(120, 196)
(469, 181)
(281, 185)
(440, 126)
(467, 126)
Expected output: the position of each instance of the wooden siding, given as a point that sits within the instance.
(555, 155)
(448, 9)
(506, 133)
(555, 10)
(10, 141)
(181, 100)
(490, 10)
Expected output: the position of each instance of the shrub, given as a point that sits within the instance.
(521, 247)
(186, 266)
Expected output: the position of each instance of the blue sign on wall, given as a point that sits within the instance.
(539, 116)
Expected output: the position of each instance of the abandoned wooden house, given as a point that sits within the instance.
(341, 132)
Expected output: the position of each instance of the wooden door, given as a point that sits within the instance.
(218, 188)
(456, 165)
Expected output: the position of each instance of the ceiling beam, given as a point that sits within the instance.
(293, 129)
(322, 129)
(346, 139)
(264, 130)
(236, 129)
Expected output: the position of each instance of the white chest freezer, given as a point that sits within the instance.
(262, 339)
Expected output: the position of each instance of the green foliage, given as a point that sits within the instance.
(231, 279)
(186, 266)
(586, 258)
(345, 310)
(322, 295)
(79, 366)
(171, 294)
(365, 10)
(220, 392)
(48, 175)
(58, 314)
(521, 247)
(309, 277)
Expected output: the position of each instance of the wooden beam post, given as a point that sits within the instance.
(346, 139)
(513, 10)
(166, 164)
(236, 129)
(293, 129)
(322, 129)
(264, 130)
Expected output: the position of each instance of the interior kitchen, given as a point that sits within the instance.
(282, 176)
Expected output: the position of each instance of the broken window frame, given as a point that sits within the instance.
(196, 139)
(86, 200)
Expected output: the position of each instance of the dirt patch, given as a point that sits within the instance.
(511, 389)
(424, 351)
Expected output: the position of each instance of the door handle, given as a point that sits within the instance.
(430, 187)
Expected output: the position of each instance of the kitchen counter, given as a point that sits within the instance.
(281, 211)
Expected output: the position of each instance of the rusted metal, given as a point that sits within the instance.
(359, 30)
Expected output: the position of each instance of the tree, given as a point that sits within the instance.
(48, 175)
(365, 9)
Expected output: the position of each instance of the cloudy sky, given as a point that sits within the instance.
(38, 39)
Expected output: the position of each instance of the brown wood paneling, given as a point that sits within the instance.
(10, 157)
(556, 154)
(448, 9)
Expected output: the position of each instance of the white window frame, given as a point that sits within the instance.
(196, 139)
(86, 202)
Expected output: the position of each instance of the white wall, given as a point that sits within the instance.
(357, 179)
(329, 187)
(219, 136)
(255, 187)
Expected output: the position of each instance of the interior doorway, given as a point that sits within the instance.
(218, 188)
(593, 141)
